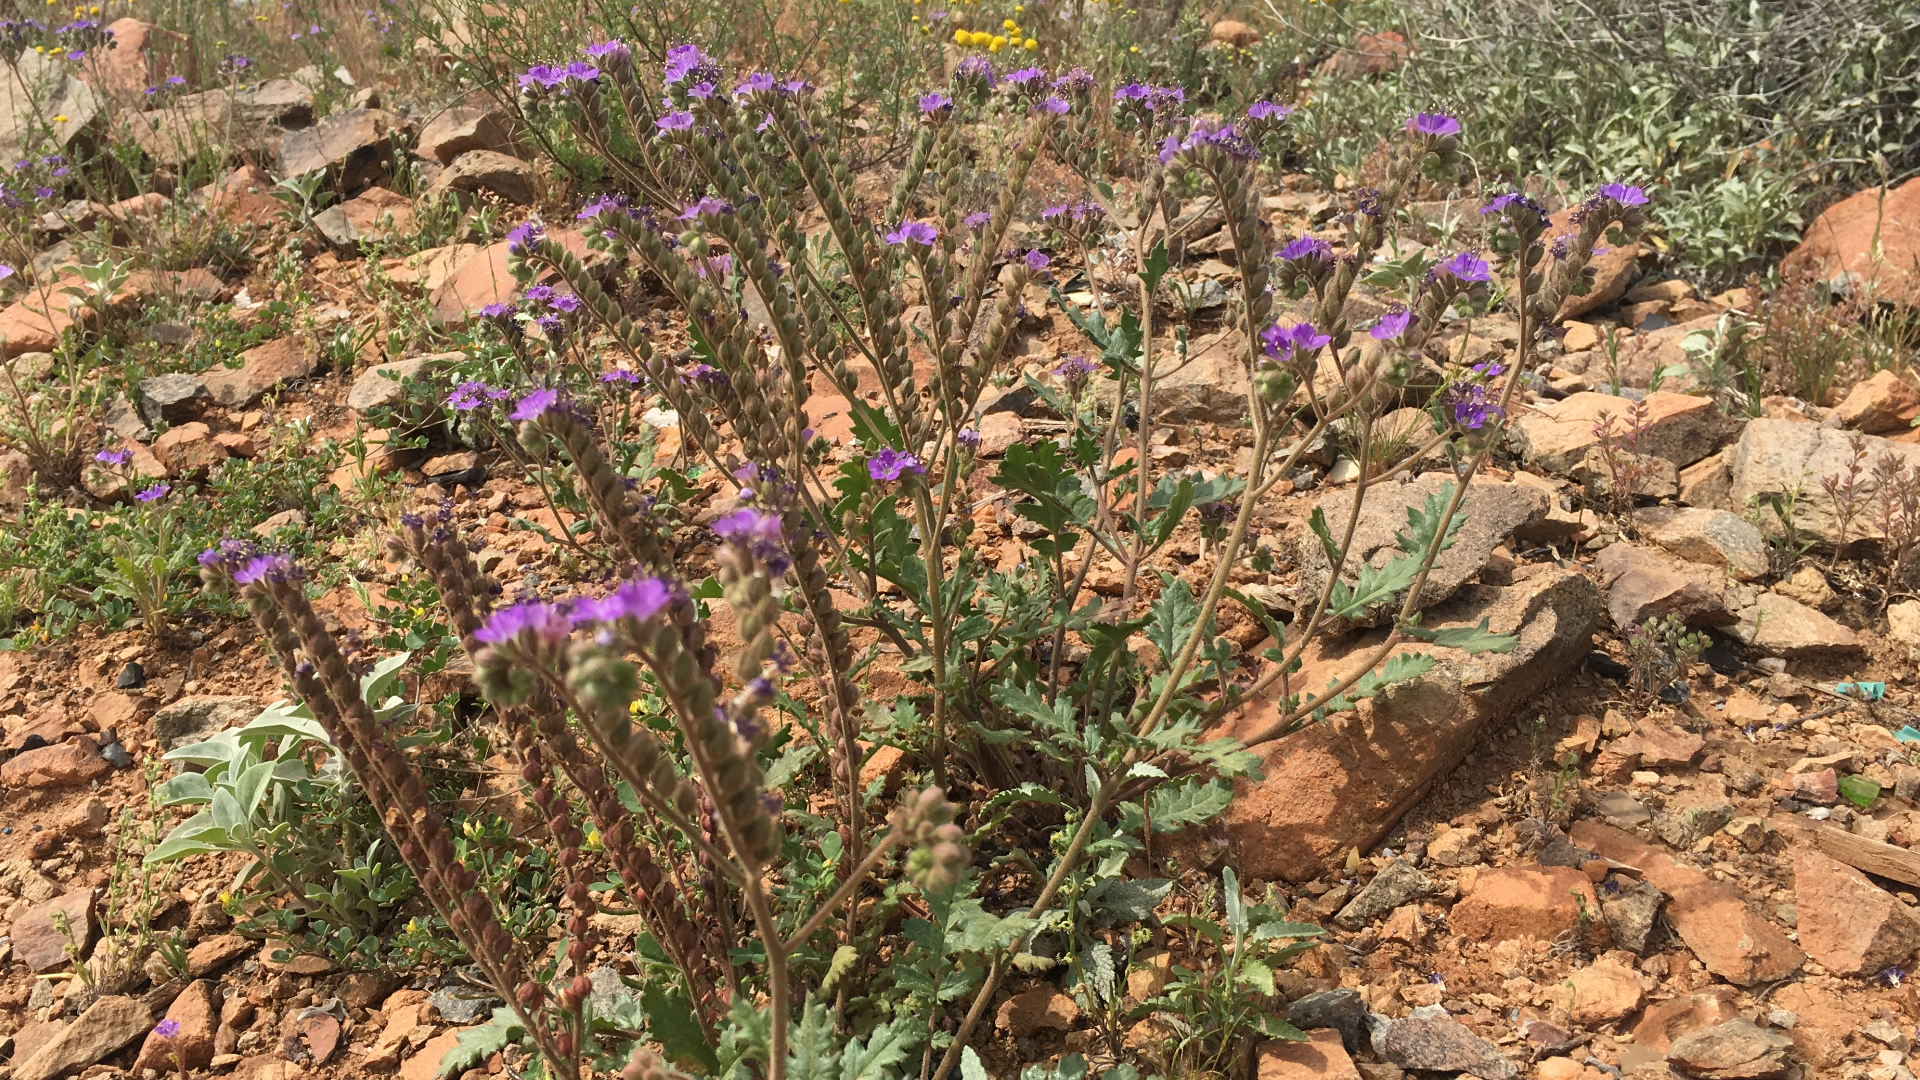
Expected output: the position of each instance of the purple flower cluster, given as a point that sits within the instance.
(1154, 99)
(1283, 343)
(549, 622)
(1074, 212)
(1227, 138)
(1624, 194)
(914, 232)
(707, 205)
(523, 237)
(535, 404)
(113, 457)
(936, 104)
(686, 63)
(1391, 325)
(473, 393)
(891, 464)
(1470, 403)
(639, 599)
(154, 493)
(1074, 371)
(1308, 249)
(973, 73)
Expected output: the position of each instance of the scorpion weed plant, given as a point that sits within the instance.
(797, 921)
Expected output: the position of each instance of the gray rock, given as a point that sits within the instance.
(1775, 457)
(170, 398)
(1680, 828)
(462, 1004)
(357, 145)
(1395, 884)
(489, 170)
(1645, 584)
(197, 719)
(1711, 537)
(1737, 1047)
(1209, 388)
(124, 420)
(609, 990)
(1442, 1044)
(1622, 810)
(108, 1024)
(379, 387)
(35, 88)
(1342, 1010)
(1492, 511)
(1631, 913)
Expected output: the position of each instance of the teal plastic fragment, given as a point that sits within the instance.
(1866, 691)
(1907, 734)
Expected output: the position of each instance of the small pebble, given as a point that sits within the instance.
(132, 677)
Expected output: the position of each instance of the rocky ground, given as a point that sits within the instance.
(1526, 864)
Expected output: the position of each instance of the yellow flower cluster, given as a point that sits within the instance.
(993, 43)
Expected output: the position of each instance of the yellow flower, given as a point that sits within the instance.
(961, 37)
(926, 29)
(226, 897)
(1133, 48)
(61, 119)
(981, 38)
(1010, 24)
(1030, 45)
(996, 44)
(634, 708)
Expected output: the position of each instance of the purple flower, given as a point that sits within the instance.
(1472, 410)
(621, 375)
(1074, 370)
(1282, 342)
(917, 232)
(551, 326)
(272, 567)
(1307, 248)
(534, 405)
(747, 524)
(1268, 110)
(968, 437)
(1077, 81)
(713, 266)
(675, 121)
(1055, 104)
(157, 491)
(470, 395)
(1132, 92)
(795, 87)
(1036, 260)
(1467, 267)
(565, 302)
(538, 294)
(1392, 325)
(707, 205)
(113, 457)
(977, 220)
(167, 1029)
(583, 72)
(757, 83)
(684, 60)
(1024, 76)
(524, 237)
(889, 464)
(1433, 125)
(702, 90)
(1624, 194)
(974, 69)
(614, 53)
(542, 75)
(498, 310)
(935, 102)
(546, 621)
(639, 600)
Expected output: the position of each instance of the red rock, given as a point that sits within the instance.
(53, 724)
(189, 448)
(211, 954)
(35, 324)
(1847, 924)
(1876, 239)
(1556, 435)
(1343, 784)
(1782, 626)
(236, 444)
(1818, 786)
(425, 1063)
(246, 196)
(484, 279)
(28, 1040)
(1733, 942)
(263, 368)
(1684, 1015)
(1824, 1022)
(142, 55)
(1880, 405)
(1612, 271)
(1371, 54)
(1602, 992)
(70, 764)
(1042, 1006)
(196, 284)
(487, 170)
(1645, 584)
(1513, 902)
(1321, 1058)
(463, 128)
(322, 1033)
(198, 1014)
(376, 214)
(1233, 32)
(37, 940)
